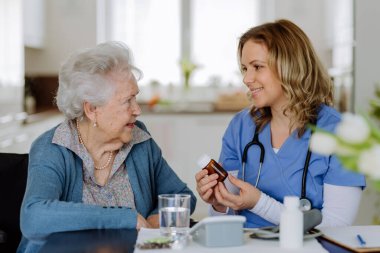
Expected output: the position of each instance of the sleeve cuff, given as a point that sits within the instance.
(213, 212)
(260, 205)
(268, 208)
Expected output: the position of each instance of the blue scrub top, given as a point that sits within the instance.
(281, 174)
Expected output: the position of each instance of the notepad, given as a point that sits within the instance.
(347, 237)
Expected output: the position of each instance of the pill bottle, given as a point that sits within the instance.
(291, 224)
(205, 162)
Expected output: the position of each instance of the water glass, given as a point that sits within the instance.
(174, 211)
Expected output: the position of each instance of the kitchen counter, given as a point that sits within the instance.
(16, 136)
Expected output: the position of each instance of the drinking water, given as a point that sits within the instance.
(174, 221)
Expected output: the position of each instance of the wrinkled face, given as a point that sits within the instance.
(263, 83)
(117, 118)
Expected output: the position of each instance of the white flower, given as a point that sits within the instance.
(323, 143)
(353, 128)
(369, 162)
(356, 144)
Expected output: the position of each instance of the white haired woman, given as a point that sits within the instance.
(100, 168)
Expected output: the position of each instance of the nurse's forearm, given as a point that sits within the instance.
(268, 208)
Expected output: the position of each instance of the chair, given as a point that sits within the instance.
(13, 174)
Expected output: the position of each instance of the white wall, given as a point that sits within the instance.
(367, 51)
(310, 16)
(70, 25)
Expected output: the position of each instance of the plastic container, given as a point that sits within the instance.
(205, 162)
(291, 224)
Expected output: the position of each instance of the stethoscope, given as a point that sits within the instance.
(305, 203)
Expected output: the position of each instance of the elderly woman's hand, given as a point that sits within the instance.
(154, 220)
(205, 185)
(247, 198)
(141, 222)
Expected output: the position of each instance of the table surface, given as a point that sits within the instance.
(115, 240)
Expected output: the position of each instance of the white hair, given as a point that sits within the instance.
(84, 76)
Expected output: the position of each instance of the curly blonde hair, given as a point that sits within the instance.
(292, 58)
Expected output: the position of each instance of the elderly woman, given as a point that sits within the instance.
(100, 168)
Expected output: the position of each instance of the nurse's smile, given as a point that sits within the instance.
(256, 91)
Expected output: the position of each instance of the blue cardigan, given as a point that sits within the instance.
(53, 197)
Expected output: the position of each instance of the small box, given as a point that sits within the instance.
(219, 231)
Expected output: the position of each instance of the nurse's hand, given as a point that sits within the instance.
(205, 185)
(247, 198)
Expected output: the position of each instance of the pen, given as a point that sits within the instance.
(361, 240)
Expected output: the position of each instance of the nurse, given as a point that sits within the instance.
(289, 89)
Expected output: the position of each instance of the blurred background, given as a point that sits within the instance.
(187, 51)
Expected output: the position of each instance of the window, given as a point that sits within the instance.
(162, 32)
(11, 60)
(341, 39)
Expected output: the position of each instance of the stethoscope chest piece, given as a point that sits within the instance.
(305, 204)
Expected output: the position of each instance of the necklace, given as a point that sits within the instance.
(110, 153)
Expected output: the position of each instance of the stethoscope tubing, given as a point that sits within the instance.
(306, 203)
(255, 141)
(258, 173)
(304, 174)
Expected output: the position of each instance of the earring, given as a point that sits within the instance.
(95, 124)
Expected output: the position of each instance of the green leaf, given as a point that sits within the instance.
(349, 162)
(376, 184)
(165, 102)
(375, 132)
(355, 146)
(159, 240)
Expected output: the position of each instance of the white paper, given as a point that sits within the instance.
(348, 235)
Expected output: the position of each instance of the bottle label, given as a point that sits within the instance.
(217, 170)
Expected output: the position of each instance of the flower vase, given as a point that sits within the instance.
(187, 81)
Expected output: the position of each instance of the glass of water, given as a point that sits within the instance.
(174, 212)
